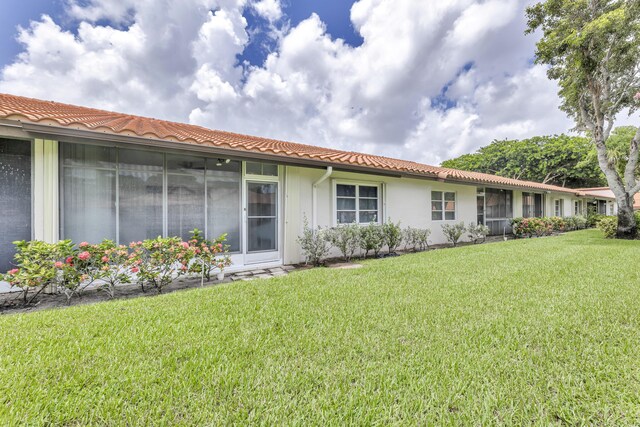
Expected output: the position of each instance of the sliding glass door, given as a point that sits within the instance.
(498, 210)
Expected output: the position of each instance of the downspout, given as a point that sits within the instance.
(314, 196)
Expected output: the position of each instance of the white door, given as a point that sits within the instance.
(261, 222)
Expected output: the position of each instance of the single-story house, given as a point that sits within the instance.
(600, 194)
(70, 172)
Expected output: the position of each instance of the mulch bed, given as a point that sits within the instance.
(11, 302)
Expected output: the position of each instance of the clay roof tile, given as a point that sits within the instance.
(35, 110)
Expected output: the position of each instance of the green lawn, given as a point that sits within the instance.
(541, 331)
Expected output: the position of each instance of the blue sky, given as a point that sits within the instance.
(19, 12)
(334, 13)
(422, 80)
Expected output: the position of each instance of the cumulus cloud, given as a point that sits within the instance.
(431, 80)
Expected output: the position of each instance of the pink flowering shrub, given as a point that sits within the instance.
(112, 265)
(208, 255)
(157, 262)
(37, 266)
(77, 270)
(534, 227)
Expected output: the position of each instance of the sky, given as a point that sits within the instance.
(419, 80)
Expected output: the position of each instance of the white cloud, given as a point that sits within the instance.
(269, 9)
(431, 80)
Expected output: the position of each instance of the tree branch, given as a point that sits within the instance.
(585, 116)
(632, 162)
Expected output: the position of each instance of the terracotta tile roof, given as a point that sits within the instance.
(57, 114)
(606, 192)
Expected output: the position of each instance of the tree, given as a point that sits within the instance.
(560, 160)
(592, 48)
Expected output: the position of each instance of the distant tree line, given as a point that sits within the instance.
(567, 161)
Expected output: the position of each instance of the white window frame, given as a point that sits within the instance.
(357, 184)
(558, 207)
(443, 211)
(577, 207)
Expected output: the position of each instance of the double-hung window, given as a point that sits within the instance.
(577, 207)
(559, 207)
(357, 203)
(443, 205)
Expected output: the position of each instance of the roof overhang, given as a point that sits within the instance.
(29, 130)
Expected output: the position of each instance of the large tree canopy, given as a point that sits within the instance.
(592, 48)
(568, 161)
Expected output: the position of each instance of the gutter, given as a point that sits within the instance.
(314, 196)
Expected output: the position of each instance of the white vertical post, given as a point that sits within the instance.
(45, 191)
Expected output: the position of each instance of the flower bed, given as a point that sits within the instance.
(70, 269)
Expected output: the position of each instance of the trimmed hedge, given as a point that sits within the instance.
(609, 225)
(537, 227)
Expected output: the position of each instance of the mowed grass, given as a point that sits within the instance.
(542, 331)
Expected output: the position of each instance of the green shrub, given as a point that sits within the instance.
(79, 269)
(416, 239)
(159, 261)
(453, 232)
(478, 233)
(517, 227)
(208, 255)
(557, 223)
(346, 238)
(372, 238)
(593, 217)
(392, 235)
(530, 227)
(580, 222)
(314, 243)
(608, 225)
(569, 224)
(38, 265)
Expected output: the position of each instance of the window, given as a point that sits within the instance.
(531, 205)
(89, 197)
(15, 194)
(356, 203)
(128, 195)
(140, 184)
(185, 194)
(577, 207)
(264, 169)
(223, 201)
(443, 205)
(559, 207)
(480, 205)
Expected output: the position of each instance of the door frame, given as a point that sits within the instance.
(262, 256)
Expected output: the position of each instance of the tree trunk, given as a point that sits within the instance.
(627, 227)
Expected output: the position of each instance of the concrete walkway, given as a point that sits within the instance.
(262, 274)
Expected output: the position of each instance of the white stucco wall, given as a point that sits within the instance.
(406, 200)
